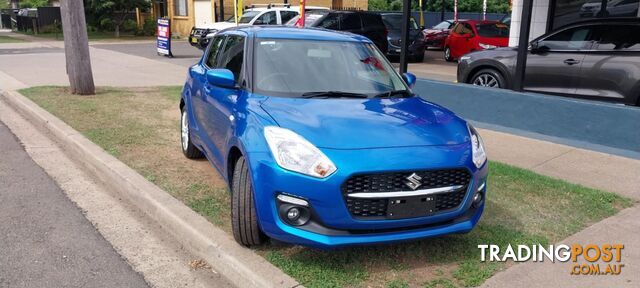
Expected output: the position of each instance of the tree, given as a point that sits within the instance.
(116, 10)
(34, 3)
(76, 47)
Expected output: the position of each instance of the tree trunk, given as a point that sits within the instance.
(76, 47)
(117, 32)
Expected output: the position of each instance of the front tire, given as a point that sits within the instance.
(188, 149)
(447, 54)
(488, 78)
(244, 220)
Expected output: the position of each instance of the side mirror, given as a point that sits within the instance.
(221, 78)
(535, 48)
(410, 79)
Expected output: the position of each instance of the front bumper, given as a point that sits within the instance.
(332, 225)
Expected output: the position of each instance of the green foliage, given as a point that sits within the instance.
(4, 4)
(493, 6)
(129, 25)
(115, 10)
(148, 28)
(34, 3)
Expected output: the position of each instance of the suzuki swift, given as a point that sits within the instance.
(323, 143)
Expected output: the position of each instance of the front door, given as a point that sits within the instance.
(554, 66)
(203, 12)
(221, 101)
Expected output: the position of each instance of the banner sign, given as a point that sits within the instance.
(164, 37)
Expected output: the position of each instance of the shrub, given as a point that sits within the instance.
(106, 24)
(129, 25)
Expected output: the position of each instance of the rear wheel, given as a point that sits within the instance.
(488, 78)
(447, 54)
(244, 221)
(188, 149)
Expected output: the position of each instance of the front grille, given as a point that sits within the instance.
(395, 42)
(199, 32)
(394, 182)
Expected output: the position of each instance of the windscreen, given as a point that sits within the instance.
(290, 68)
(394, 22)
(493, 30)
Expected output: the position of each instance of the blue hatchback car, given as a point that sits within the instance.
(324, 144)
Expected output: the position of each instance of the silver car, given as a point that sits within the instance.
(596, 59)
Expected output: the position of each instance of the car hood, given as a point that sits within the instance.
(368, 123)
(219, 25)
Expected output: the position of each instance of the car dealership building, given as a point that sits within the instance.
(548, 15)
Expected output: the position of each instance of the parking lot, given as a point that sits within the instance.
(433, 67)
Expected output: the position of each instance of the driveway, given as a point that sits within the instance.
(45, 239)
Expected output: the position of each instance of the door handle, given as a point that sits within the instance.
(571, 62)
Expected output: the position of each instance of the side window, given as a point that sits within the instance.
(268, 18)
(466, 29)
(622, 38)
(350, 21)
(457, 28)
(232, 56)
(287, 15)
(330, 22)
(577, 38)
(216, 44)
(372, 21)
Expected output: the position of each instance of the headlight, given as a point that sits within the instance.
(487, 46)
(292, 152)
(465, 58)
(477, 147)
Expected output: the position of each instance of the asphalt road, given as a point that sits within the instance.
(184, 54)
(45, 241)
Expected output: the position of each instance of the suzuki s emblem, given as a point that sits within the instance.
(413, 181)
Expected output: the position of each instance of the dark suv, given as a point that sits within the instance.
(597, 59)
(363, 23)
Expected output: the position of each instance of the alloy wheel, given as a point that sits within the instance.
(184, 131)
(486, 80)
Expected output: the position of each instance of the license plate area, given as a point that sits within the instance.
(194, 40)
(410, 207)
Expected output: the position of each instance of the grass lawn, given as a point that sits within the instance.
(140, 126)
(7, 39)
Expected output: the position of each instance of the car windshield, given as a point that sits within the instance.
(246, 17)
(443, 25)
(394, 22)
(493, 30)
(291, 68)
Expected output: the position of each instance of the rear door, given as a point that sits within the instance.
(612, 69)
(460, 40)
(555, 65)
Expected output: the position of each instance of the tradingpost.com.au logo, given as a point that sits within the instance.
(583, 256)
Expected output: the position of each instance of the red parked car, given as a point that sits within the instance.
(473, 35)
(435, 36)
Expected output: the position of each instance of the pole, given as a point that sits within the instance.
(221, 16)
(235, 11)
(76, 47)
(404, 39)
(523, 45)
(303, 5)
(484, 10)
(455, 10)
(421, 2)
(444, 5)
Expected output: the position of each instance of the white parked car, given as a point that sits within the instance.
(269, 15)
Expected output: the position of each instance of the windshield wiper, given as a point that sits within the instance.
(389, 94)
(333, 94)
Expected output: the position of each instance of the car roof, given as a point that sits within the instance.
(474, 22)
(307, 33)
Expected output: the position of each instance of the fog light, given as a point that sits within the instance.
(477, 199)
(293, 214)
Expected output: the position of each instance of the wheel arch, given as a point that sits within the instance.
(232, 157)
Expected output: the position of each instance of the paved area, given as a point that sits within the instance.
(434, 67)
(45, 239)
(184, 54)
